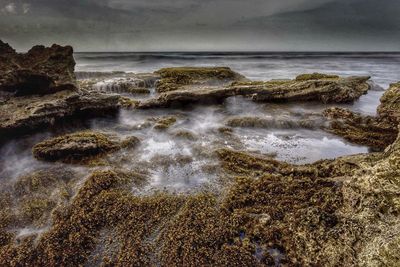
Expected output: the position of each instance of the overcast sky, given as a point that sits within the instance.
(195, 25)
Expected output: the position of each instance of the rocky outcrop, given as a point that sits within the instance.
(24, 114)
(42, 70)
(39, 89)
(326, 90)
(192, 77)
(376, 132)
(79, 146)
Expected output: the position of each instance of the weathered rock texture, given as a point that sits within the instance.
(273, 213)
(39, 88)
(79, 146)
(42, 70)
(326, 89)
(192, 77)
(24, 114)
(377, 132)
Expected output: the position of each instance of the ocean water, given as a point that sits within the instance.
(382, 67)
(183, 164)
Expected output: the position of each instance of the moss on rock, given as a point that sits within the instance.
(315, 76)
(175, 78)
(80, 146)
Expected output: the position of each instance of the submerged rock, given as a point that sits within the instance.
(165, 122)
(191, 77)
(325, 90)
(79, 146)
(376, 132)
(39, 71)
(279, 122)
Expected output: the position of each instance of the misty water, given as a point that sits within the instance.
(183, 157)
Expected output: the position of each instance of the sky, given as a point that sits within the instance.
(203, 25)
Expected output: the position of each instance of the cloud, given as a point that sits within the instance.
(197, 24)
(10, 8)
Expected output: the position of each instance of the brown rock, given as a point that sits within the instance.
(376, 132)
(324, 90)
(42, 70)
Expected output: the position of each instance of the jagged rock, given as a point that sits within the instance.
(326, 90)
(23, 114)
(377, 132)
(38, 89)
(42, 70)
(192, 77)
(79, 146)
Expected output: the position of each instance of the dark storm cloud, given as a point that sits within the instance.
(203, 24)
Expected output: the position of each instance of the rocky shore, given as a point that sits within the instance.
(86, 205)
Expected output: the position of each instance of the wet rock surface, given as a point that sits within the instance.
(190, 78)
(39, 89)
(26, 114)
(325, 90)
(79, 146)
(202, 186)
(377, 132)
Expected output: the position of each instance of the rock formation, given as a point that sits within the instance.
(377, 132)
(79, 146)
(325, 89)
(190, 78)
(39, 71)
(38, 88)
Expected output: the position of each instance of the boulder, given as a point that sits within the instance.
(42, 70)
(325, 90)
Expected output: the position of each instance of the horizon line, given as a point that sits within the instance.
(240, 51)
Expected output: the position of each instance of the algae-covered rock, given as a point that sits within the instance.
(40, 71)
(325, 90)
(165, 122)
(389, 109)
(359, 129)
(283, 122)
(176, 78)
(78, 146)
(377, 132)
(315, 76)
